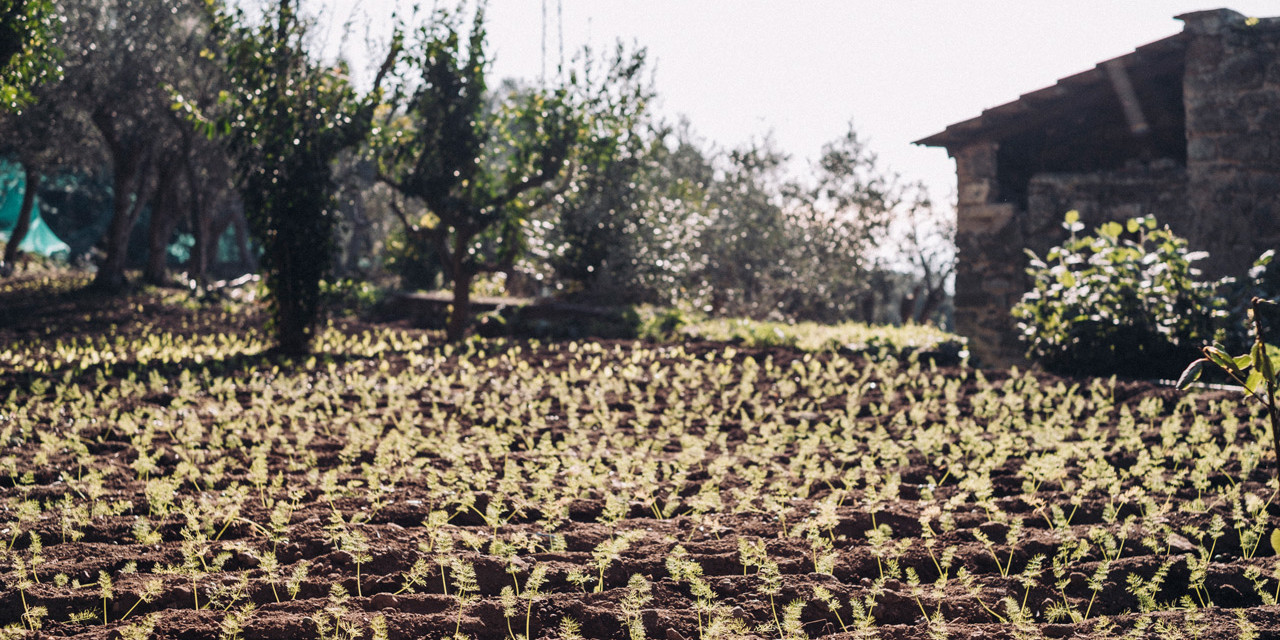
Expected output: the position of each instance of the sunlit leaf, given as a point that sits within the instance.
(1191, 373)
(1254, 383)
(1220, 358)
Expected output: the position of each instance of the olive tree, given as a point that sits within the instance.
(286, 118)
(736, 233)
(116, 58)
(838, 222)
(38, 138)
(582, 234)
(926, 240)
(109, 111)
(481, 167)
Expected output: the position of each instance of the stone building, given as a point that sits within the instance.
(1186, 128)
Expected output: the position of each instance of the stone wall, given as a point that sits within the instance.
(989, 258)
(1159, 189)
(1232, 95)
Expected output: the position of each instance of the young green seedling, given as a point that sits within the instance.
(1255, 371)
(639, 593)
(465, 585)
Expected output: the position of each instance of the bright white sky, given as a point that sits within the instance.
(802, 69)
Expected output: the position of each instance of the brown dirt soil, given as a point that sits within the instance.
(215, 510)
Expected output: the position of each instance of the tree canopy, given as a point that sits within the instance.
(569, 186)
(286, 117)
(28, 56)
(480, 168)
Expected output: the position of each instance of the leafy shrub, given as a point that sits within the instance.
(1123, 301)
(661, 323)
(1254, 370)
(876, 342)
(414, 261)
(350, 297)
(1262, 281)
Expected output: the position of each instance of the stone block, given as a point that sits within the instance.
(1201, 149)
(970, 299)
(1264, 184)
(1003, 287)
(1210, 21)
(1252, 104)
(1246, 149)
(976, 161)
(1273, 76)
(976, 192)
(1216, 116)
(1243, 71)
(1266, 118)
(983, 219)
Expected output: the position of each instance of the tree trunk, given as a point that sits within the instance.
(932, 302)
(111, 276)
(198, 261)
(201, 229)
(164, 219)
(293, 325)
(210, 208)
(130, 164)
(248, 261)
(907, 306)
(460, 315)
(360, 243)
(24, 220)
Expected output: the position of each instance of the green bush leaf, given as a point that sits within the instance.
(1245, 361)
(1220, 358)
(1191, 373)
(1254, 381)
(1262, 357)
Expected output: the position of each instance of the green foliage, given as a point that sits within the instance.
(1262, 281)
(286, 119)
(587, 226)
(849, 337)
(350, 296)
(27, 55)
(1125, 300)
(110, 113)
(1264, 277)
(480, 168)
(415, 262)
(649, 210)
(1255, 370)
(668, 222)
(661, 324)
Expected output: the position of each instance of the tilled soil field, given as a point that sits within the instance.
(160, 476)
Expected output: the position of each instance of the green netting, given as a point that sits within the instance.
(40, 238)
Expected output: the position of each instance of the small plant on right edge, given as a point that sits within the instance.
(1255, 370)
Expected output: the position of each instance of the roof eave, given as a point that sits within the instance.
(967, 131)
